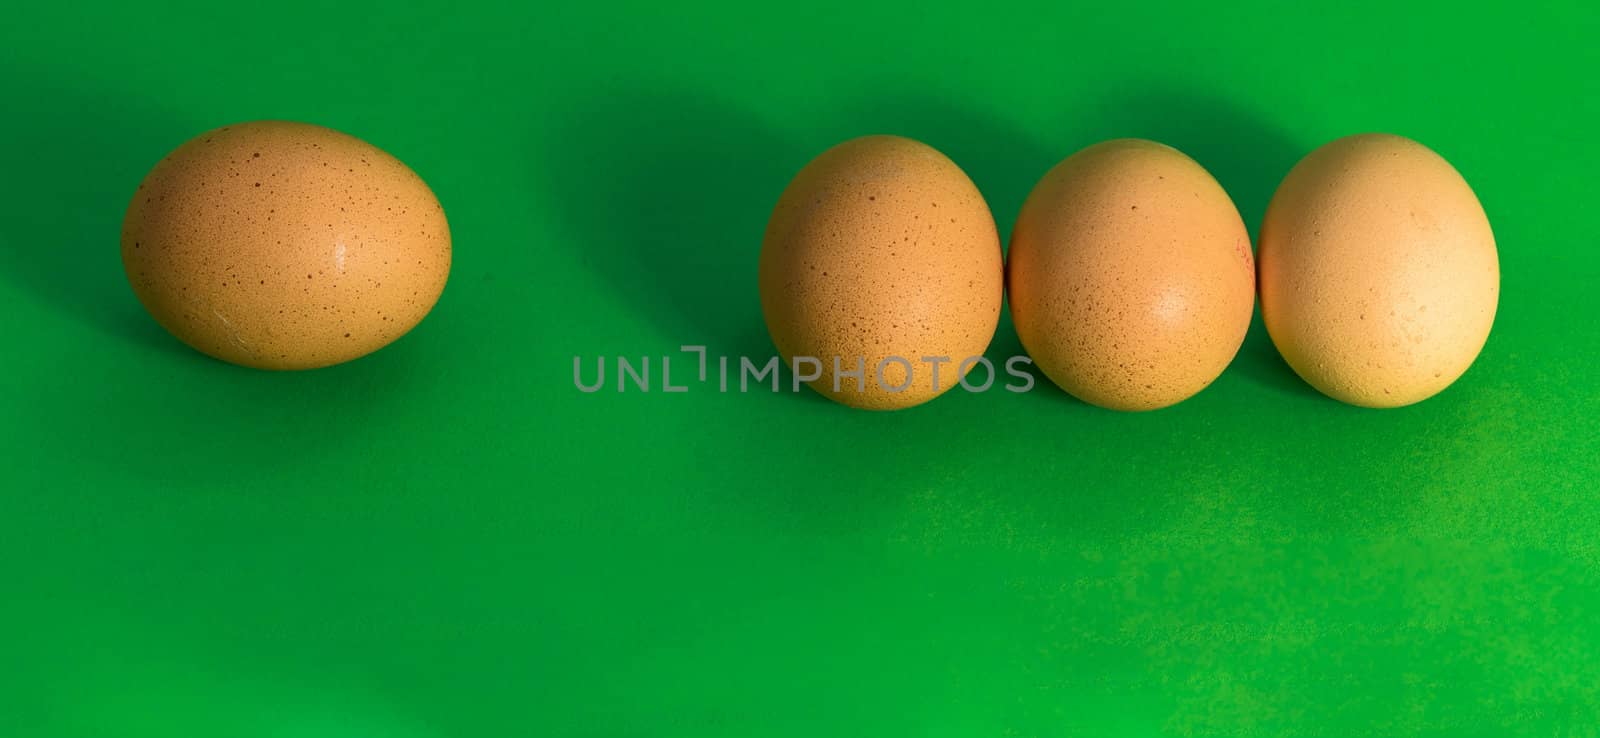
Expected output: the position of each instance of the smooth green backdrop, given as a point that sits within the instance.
(448, 539)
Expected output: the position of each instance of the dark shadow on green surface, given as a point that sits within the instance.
(667, 198)
(1259, 361)
(73, 159)
(666, 195)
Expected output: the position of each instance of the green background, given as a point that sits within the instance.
(448, 539)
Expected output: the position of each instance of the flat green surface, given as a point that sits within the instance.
(448, 539)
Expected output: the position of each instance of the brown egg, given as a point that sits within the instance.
(283, 245)
(1130, 276)
(881, 257)
(1379, 275)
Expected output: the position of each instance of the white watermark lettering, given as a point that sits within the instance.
(891, 373)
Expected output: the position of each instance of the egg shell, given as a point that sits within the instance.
(282, 245)
(881, 247)
(1130, 276)
(1379, 273)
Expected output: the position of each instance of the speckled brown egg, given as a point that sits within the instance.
(882, 258)
(1130, 276)
(283, 245)
(1379, 274)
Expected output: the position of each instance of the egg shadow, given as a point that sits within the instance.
(666, 196)
(1258, 360)
(1246, 153)
(82, 152)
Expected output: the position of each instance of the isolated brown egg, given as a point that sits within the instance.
(1379, 274)
(882, 254)
(1130, 276)
(283, 245)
